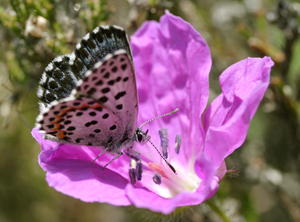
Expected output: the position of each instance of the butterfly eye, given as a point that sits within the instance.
(139, 136)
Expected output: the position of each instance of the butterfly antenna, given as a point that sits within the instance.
(170, 113)
(172, 168)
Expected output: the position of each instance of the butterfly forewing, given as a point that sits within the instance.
(104, 40)
(63, 73)
(112, 83)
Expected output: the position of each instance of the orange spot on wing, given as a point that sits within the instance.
(60, 133)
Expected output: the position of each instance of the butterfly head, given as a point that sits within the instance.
(141, 136)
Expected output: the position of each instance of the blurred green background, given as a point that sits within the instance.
(267, 188)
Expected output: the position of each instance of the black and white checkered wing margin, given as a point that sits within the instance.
(63, 73)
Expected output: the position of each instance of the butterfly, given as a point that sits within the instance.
(89, 97)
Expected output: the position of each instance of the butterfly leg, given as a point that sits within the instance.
(116, 157)
(135, 173)
(99, 155)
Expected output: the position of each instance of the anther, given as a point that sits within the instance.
(177, 143)
(139, 170)
(163, 133)
(157, 178)
(132, 175)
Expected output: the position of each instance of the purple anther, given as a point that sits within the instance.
(177, 143)
(157, 178)
(139, 170)
(163, 134)
(132, 175)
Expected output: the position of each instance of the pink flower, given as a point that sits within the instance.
(172, 63)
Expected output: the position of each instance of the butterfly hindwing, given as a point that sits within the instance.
(97, 113)
(81, 121)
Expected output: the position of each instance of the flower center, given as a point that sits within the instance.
(168, 184)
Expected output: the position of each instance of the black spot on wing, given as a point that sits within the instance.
(98, 108)
(123, 67)
(92, 114)
(119, 107)
(99, 83)
(120, 94)
(50, 126)
(105, 90)
(114, 69)
(105, 116)
(113, 127)
(103, 99)
(67, 122)
(111, 82)
(79, 114)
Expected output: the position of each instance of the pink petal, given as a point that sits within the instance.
(227, 119)
(86, 182)
(221, 171)
(172, 63)
(69, 171)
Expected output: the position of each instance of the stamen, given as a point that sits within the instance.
(163, 133)
(139, 170)
(155, 167)
(177, 143)
(132, 175)
(157, 178)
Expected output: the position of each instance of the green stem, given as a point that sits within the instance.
(217, 210)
